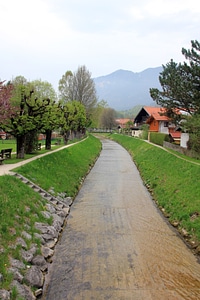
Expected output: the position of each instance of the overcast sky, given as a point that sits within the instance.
(42, 39)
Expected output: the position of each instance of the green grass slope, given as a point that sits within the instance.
(173, 182)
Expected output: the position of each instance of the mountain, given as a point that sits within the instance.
(125, 89)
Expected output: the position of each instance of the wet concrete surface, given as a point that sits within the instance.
(116, 245)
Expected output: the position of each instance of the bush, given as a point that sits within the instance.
(194, 142)
(157, 138)
(144, 134)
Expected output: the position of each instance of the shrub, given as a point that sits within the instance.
(157, 138)
(144, 134)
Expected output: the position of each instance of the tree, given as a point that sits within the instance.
(33, 100)
(80, 87)
(180, 84)
(181, 91)
(66, 87)
(7, 110)
(21, 112)
(28, 120)
(97, 113)
(50, 121)
(108, 118)
(192, 126)
(43, 90)
(73, 119)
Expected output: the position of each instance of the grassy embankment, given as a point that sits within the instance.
(173, 182)
(21, 207)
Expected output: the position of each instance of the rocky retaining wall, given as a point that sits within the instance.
(29, 272)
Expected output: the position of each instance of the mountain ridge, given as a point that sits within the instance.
(124, 89)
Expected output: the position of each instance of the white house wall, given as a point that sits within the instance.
(162, 128)
(184, 139)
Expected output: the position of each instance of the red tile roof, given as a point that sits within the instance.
(123, 121)
(176, 134)
(156, 113)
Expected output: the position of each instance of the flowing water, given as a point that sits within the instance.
(116, 245)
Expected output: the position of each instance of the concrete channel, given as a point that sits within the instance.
(116, 244)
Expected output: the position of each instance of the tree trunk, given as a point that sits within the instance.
(48, 139)
(21, 146)
(31, 142)
(66, 137)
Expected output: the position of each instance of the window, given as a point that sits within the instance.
(166, 124)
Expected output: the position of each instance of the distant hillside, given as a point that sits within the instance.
(125, 89)
(129, 113)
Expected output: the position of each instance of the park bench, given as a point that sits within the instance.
(1, 160)
(6, 153)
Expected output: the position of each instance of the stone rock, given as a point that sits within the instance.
(66, 210)
(16, 274)
(39, 260)
(33, 248)
(4, 295)
(51, 244)
(26, 255)
(17, 264)
(51, 190)
(24, 291)
(60, 198)
(39, 237)
(47, 230)
(198, 250)
(38, 292)
(62, 195)
(62, 213)
(56, 224)
(57, 218)
(46, 214)
(20, 241)
(46, 252)
(47, 237)
(34, 277)
(184, 232)
(175, 223)
(26, 235)
(68, 201)
(50, 208)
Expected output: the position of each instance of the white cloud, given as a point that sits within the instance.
(30, 24)
(44, 38)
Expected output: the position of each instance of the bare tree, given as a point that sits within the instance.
(80, 87)
(108, 118)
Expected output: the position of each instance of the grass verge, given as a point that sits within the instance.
(63, 171)
(173, 182)
(21, 207)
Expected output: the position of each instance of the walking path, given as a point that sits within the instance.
(116, 245)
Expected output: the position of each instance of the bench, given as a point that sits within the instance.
(1, 160)
(6, 153)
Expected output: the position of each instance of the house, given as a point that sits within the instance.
(2, 134)
(175, 137)
(154, 116)
(122, 123)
